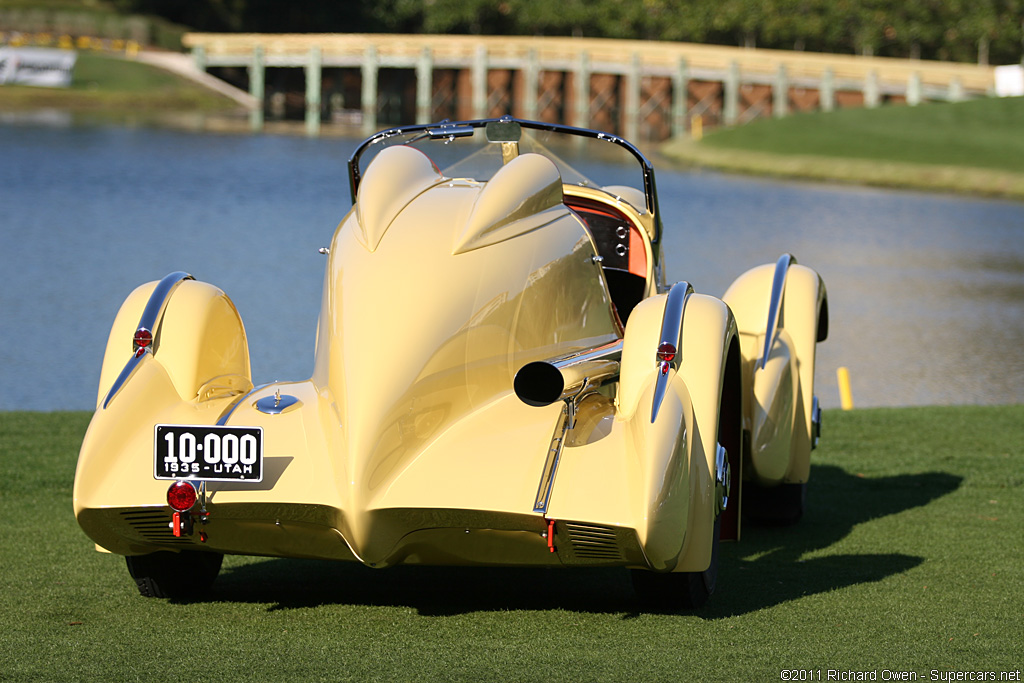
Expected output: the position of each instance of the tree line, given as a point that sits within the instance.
(984, 31)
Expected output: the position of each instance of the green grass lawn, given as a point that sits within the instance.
(975, 146)
(985, 133)
(103, 82)
(910, 558)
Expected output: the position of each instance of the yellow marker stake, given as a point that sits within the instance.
(697, 127)
(845, 395)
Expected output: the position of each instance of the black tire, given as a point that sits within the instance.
(679, 590)
(185, 575)
(780, 505)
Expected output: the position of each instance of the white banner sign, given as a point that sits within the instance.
(36, 66)
(1010, 80)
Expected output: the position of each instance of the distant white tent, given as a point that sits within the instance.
(36, 66)
(1010, 80)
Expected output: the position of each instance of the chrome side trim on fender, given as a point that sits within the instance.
(669, 352)
(775, 303)
(723, 477)
(815, 423)
(158, 299)
(126, 372)
(144, 339)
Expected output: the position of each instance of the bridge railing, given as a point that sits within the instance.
(750, 80)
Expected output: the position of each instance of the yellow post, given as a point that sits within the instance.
(845, 395)
(697, 128)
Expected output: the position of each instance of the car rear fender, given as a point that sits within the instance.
(802, 322)
(707, 336)
(197, 336)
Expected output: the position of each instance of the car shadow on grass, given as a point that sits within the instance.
(770, 566)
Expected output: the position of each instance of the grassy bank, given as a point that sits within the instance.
(975, 147)
(909, 559)
(107, 83)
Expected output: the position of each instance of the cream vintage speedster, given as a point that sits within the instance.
(501, 377)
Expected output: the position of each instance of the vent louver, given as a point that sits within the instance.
(153, 526)
(594, 542)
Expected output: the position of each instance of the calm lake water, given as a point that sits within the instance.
(926, 291)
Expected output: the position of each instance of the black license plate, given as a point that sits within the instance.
(208, 453)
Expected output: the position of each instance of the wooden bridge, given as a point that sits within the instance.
(639, 89)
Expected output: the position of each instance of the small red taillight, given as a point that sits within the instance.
(182, 496)
(666, 352)
(143, 338)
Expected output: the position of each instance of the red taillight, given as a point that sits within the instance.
(182, 496)
(143, 338)
(666, 352)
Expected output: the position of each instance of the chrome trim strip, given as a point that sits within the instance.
(150, 315)
(723, 477)
(127, 372)
(775, 304)
(815, 423)
(158, 301)
(547, 477)
(671, 333)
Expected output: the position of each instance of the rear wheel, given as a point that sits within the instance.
(188, 574)
(679, 590)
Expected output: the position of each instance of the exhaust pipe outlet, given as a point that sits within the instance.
(544, 382)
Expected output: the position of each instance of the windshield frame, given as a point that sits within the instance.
(448, 130)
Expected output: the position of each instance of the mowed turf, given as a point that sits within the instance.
(910, 559)
(974, 147)
(106, 83)
(985, 133)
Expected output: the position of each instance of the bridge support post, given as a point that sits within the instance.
(479, 80)
(257, 87)
(780, 93)
(956, 90)
(581, 88)
(872, 96)
(369, 93)
(827, 90)
(633, 84)
(531, 76)
(680, 97)
(424, 86)
(731, 95)
(314, 71)
(914, 89)
(199, 57)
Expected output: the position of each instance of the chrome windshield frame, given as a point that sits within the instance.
(446, 130)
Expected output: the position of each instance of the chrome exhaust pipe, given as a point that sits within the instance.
(544, 382)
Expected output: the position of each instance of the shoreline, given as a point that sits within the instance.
(962, 180)
(965, 180)
(67, 108)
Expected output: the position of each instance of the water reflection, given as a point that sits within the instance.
(926, 291)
